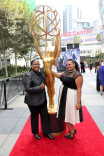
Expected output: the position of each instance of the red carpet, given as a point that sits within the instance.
(88, 141)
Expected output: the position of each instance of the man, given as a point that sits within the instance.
(96, 66)
(82, 66)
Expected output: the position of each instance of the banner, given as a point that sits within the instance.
(83, 40)
(61, 63)
(74, 54)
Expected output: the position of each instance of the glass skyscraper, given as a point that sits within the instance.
(70, 12)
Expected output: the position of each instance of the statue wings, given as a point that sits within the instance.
(57, 48)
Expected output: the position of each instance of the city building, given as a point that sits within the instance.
(101, 10)
(87, 32)
(70, 12)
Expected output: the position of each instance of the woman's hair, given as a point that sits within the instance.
(32, 63)
(76, 64)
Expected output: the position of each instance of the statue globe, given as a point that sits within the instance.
(47, 20)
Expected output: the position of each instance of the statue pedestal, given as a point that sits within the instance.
(56, 126)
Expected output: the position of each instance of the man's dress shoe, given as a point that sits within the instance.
(49, 136)
(37, 136)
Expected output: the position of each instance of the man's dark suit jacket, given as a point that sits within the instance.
(35, 95)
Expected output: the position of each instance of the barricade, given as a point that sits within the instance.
(9, 88)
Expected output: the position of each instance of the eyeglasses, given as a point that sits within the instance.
(36, 64)
(67, 65)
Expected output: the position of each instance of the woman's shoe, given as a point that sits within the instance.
(71, 137)
(75, 131)
(69, 134)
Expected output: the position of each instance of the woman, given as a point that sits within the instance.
(101, 78)
(69, 108)
(34, 83)
(91, 65)
(98, 64)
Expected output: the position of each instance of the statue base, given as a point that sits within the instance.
(56, 126)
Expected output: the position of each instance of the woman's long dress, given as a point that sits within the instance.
(90, 66)
(68, 99)
(101, 75)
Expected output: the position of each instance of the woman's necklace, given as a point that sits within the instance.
(72, 71)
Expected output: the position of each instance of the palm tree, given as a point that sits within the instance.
(99, 37)
(76, 39)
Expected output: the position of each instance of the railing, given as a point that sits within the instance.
(9, 88)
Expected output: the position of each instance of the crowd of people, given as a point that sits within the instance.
(99, 69)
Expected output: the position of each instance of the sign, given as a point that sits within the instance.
(83, 40)
(76, 33)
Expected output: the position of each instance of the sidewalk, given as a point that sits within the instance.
(13, 120)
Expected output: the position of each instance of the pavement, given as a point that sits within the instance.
(14, 118)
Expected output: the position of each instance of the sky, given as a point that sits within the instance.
(90, 8)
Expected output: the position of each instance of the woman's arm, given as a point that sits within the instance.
(79, 82)
(57, 75)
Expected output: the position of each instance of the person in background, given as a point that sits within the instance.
(91, 65)
(102, 62)
(34, 83)
(69, 106)
(98, 64)
(82, 66)
(101, 78)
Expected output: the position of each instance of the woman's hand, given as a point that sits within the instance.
(42, 86)
(78, 106)
(57, 75)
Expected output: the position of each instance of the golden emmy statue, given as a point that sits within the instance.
(47, 20)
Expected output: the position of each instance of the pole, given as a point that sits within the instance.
(5, 103)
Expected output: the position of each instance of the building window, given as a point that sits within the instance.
(85, 24)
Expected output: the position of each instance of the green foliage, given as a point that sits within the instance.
(99, 37)
(11, 70)
(100, 54)
(88, 61)
(88, 56)
(76, 39)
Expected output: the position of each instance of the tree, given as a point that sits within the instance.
(99, 37)
(76, 39)
(5, 25)
(14, 30)
(0, 60)
(22, 13)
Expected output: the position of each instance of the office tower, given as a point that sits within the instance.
(70, 12)
(101, 10)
